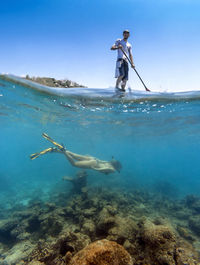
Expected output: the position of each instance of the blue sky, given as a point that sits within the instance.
(72, 39)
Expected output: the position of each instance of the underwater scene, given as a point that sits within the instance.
(84, 170)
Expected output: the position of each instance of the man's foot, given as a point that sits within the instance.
(123, 87)
(120, 89)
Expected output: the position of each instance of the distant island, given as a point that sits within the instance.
(52, 82)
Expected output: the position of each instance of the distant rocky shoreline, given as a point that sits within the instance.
(52, 82)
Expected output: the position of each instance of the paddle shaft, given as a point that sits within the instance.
(135, 70)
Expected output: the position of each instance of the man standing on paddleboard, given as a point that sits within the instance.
(121, 72)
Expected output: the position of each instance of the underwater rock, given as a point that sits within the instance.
(193, 202)
(6, 228)
(88, 227)
(54, 253)
(194, 224)
(156, 235)
(72, 242)
(50, 224)
(132, 247)
(102, 252)
(124, 229)
(50, 206)
(36, 263)
(185, 255)
(19, 252)
(140, 209)
(159, 243)
(105, 222)
(79, 182)
(181, 213)
(88, 213)
(185, 233)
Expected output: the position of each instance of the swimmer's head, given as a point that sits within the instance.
(116, 164)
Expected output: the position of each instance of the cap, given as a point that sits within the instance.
(126, 31)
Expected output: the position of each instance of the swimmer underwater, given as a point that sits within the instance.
(81, 161)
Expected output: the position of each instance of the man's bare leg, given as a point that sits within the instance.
(123, 84)
(119, 79)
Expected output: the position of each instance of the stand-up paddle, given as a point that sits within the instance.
(135, 70)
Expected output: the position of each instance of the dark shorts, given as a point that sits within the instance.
(123, 69)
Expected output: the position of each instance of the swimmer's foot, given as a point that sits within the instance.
(48, 150)
(53, 149)
(47, 137)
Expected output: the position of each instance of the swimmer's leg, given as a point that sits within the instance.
(77, 156)
(48, 150)
(62, 148)
(86, 164)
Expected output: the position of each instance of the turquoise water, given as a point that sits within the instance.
(155, 136)
(157, 142)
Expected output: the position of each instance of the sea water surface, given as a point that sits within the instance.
(156, 139)
(155, 136)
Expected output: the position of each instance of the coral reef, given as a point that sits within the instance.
(151, 230)
(102, 252)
